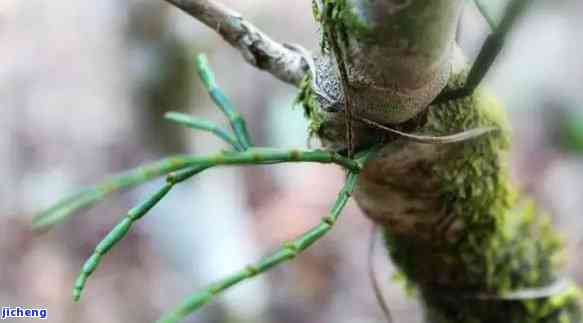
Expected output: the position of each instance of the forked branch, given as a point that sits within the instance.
(286, 62)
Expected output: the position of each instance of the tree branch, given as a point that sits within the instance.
(398, 52)
(288, 63)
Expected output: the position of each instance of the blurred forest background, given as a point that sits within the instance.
(83, 87)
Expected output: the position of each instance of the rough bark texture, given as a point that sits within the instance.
(473, 248)
(464, 238)
(396, 53)
(458, 229)
(284, 61)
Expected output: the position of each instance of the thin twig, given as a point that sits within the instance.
(286, 62)
(424, 139)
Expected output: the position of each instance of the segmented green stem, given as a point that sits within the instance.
(185, 166)
(205, 125)
(86, 198)
(259, 155)
(122, 228)
(192, 166)
(287, 252)
(237, 122)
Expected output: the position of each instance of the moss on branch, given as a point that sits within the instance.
(495, 241)
(460, 232)
(312, 111)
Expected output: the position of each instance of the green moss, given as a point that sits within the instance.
(312, 112)
(316, 11)
(476, 189)
(554, 306)
(339, 17)
(561, 308)
(504, 242)
(355, 25)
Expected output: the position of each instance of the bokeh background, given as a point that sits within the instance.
(83, 87)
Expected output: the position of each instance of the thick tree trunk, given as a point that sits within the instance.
(459, 230)
(397, 53)
(473, 247)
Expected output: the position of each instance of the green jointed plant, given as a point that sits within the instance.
(181, 168)
(423, 146)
